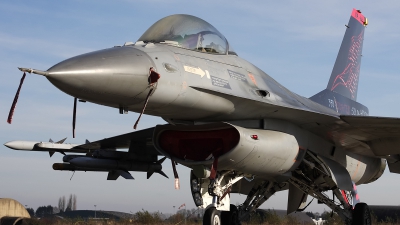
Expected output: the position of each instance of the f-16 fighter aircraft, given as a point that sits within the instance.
(238, 129)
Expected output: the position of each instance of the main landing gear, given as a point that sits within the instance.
(361, 214)
(313, 177)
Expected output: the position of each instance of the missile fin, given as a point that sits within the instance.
(87, 141)
(149, 174)
(112, 175)
(161, 160)
(50, 140)
(61, 141)
(162, 173)
(51, 153)
(125, 174)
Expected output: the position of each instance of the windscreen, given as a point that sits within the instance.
(187, 32)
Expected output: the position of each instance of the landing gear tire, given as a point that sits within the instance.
(230, 217)
(361, 214)
(212, 217)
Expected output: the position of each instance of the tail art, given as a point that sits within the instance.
(341, 92)
(345, 74)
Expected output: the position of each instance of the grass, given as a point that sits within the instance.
(145, 217)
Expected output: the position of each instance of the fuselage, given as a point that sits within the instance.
(202, 87)
(194, 86)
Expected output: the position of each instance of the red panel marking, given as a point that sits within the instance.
(253, 79)
(358, 16)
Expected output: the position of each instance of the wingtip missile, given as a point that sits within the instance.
(39, 146)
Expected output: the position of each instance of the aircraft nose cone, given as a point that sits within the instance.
(102, 76)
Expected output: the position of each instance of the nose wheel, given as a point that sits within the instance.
(212, 217)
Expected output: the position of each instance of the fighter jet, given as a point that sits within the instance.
(238, 129)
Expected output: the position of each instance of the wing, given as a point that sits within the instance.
(365, 135)
(381, 135)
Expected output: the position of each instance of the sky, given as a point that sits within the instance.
(295, 42)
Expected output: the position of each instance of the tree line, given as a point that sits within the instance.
(64, 205)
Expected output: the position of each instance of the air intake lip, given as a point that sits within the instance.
(198, 144)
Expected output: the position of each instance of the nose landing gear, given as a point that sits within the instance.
(212, 217)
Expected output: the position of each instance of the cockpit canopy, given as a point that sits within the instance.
(188, 32)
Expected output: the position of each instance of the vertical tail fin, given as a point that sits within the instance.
(341, 92)
(346, 72)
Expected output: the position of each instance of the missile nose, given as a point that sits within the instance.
(102, 75)
(20, 145)
(10, 144)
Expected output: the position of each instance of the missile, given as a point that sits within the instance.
(70, 167)
(38, 146)
(68, 158)
(109, 164)
(94, 164)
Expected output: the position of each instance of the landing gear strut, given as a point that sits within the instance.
(313, 177)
